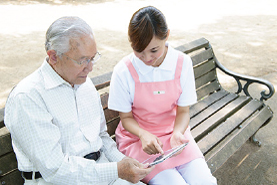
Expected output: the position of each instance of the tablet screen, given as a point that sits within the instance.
(158, 158)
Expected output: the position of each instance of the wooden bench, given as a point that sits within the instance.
(221, 121)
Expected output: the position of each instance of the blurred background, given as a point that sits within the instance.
(243, 33)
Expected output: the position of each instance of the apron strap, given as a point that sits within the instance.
(179, 66)
(132, 70)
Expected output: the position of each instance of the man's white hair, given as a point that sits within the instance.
(63, 30)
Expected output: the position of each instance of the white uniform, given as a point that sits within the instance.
(122, 88)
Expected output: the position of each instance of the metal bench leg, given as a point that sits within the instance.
(255, 141)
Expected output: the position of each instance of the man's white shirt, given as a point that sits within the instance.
(53, 125)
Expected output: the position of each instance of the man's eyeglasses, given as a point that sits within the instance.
(86, 61)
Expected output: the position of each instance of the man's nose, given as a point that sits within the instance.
(89, 67)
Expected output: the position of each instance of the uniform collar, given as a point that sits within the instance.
(166, 65)
(51, 77)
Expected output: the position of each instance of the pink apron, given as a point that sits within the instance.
(154, 108)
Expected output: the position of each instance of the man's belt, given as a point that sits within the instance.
(93, 156)
(29, 175)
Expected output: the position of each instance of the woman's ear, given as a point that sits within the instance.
(52, 54)
(168, 32)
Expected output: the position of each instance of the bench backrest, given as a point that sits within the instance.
(206, 84)
(204, 66)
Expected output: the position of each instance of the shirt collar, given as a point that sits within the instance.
(166, 65)
(51, 78)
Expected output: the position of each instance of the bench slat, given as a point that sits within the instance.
(110, 115)
(194, 45)
(104, 100)
(5, 141)
(202, 56)
(212, 109)
(208, 89)
(232, 143)
(206, 126)
(13, 178)
(208, 77)
(229, 125)
(112, 126)
(102, 81)
(203, 104)
(8, 163)
(204, 68)
(2, 118)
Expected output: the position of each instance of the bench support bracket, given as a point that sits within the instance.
(255, 140)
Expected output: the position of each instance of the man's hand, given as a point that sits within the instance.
(151, 144)
(131, 170)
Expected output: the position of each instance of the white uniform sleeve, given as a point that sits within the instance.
(188, 96)
(120, 96)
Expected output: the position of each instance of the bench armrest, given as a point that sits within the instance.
(249, 80)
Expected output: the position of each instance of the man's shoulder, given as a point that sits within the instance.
(31, 83)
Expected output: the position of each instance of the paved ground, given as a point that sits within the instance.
(243, 34)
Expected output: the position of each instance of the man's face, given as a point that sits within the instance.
(83, 48)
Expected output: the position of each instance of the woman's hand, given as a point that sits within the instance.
(176, 140)
(151, 144)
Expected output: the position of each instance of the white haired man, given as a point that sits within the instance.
(56, 120)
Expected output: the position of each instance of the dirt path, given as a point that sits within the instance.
(243, 34)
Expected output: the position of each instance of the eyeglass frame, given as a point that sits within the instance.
(92, 60)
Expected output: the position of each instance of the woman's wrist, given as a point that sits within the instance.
(178, 130)
(141, 132)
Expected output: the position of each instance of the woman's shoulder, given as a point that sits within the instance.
(121, 71)
(121, 66)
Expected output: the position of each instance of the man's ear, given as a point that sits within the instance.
(52, 54)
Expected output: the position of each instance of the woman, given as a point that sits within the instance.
(152, 88)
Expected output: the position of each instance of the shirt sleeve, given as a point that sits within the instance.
(119, 94)
(188, 96)
(37, 138)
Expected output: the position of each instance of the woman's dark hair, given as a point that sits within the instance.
(146, 23)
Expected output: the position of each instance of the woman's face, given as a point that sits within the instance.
(153, 54)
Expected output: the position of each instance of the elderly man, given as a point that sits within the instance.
(56, 120)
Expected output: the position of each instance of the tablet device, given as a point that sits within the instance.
(156, 159)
